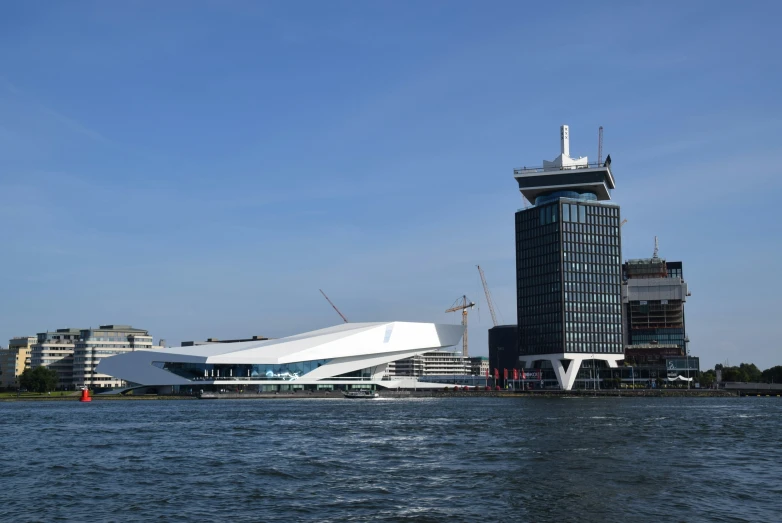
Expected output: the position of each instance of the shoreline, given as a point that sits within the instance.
(610, 393)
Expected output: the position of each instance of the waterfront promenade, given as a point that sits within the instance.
(390, 394)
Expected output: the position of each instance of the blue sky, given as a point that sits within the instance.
(202, 168)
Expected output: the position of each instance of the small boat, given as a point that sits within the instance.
(360, 394)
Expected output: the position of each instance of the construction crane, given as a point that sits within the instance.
(488, 296)
(623, 222)
(332, 304)
(600, 145)
(464, 307)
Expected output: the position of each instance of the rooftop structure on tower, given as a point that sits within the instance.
(566, 176)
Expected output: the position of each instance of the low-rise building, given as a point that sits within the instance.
(503, 348)
(54, 350)
(479, 365)
(14, 361)
(432, 363)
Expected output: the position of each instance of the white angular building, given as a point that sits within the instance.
(352, 355)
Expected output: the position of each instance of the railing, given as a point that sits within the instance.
(264, 378)
(533, 170)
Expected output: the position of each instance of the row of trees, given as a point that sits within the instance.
(746, 372)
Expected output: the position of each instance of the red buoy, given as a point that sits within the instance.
(85, 395)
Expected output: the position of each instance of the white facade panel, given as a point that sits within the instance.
(339, 350)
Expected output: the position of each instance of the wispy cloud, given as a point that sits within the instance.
(68, 122)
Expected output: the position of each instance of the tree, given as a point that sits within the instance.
(752, 372)
(773, 375)
(746, 372)
(40, 379)
(707, 378)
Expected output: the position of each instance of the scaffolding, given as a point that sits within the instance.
(646, 268)
(660, 314)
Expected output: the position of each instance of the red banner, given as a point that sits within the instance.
(515, 374)
(496, 374)
(505, 373)
(523, 374)
(487, 373)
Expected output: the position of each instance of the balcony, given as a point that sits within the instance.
(525, 171)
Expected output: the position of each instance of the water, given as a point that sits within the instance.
(482, 459)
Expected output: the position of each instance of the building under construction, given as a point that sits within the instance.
(654, 293)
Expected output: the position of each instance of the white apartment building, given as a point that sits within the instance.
(432, 363)
(106, 340)
(54, 350)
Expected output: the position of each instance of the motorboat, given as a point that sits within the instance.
(360, 394)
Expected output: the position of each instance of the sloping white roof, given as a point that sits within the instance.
(279, 346)
(348, 347)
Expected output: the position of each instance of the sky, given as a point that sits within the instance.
(200, 169)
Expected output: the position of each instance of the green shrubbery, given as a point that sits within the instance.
(40, 379)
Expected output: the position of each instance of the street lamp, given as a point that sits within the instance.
(687, 355)
(498, 364)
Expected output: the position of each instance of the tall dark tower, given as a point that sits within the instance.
(568, 265)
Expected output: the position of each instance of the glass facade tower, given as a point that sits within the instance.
(568, 265)
(569, 278)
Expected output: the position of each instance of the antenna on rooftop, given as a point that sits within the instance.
(656, 248)
(600, 145)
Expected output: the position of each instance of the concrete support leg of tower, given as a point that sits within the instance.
(567, 378)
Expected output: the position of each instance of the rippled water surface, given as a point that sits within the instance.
(481, 459)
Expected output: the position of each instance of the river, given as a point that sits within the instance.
(423, 460)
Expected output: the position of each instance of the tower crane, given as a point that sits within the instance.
(464, 306)
(488, 296)
(332, 304)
